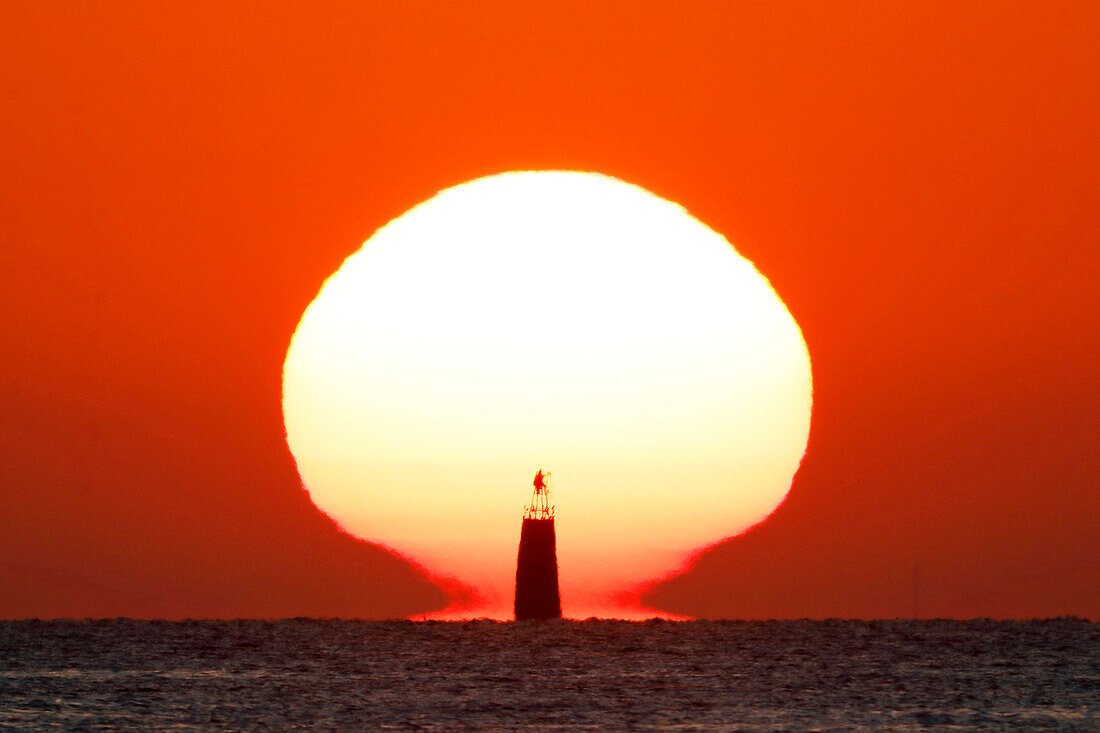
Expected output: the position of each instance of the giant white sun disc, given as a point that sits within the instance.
(556, 319)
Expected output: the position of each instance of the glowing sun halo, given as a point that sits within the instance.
(547, 319)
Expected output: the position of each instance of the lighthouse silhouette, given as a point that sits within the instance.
(537, 564)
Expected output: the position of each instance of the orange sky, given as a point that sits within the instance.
(918, 182)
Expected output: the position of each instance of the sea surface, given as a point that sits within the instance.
(551, 676)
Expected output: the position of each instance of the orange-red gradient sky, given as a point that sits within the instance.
(917, 180)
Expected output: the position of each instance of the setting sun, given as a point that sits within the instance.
(558, 319)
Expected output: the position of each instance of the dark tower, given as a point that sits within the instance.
(537, 564)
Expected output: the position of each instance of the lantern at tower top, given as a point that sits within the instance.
(540, 507)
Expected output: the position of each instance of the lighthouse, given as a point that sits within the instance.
(537, 564)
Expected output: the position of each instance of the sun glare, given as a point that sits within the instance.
(547, 319)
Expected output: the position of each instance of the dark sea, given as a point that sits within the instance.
(550, 676)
